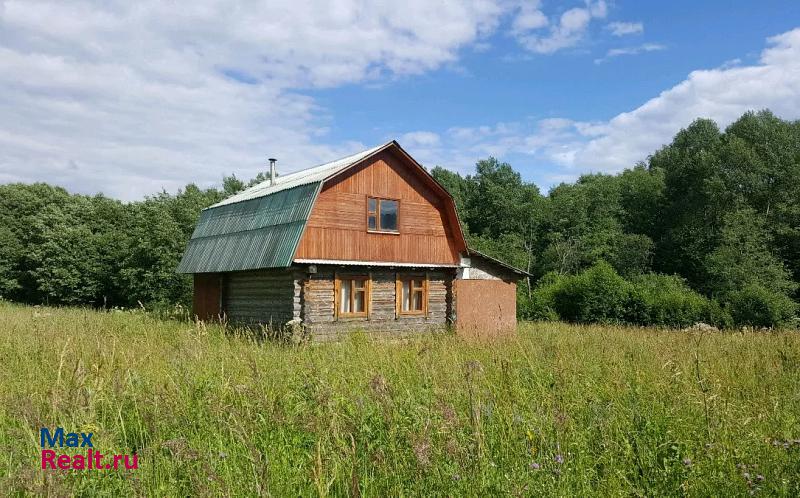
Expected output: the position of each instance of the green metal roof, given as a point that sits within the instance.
(251, 234)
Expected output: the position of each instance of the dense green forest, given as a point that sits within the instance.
(707, 229)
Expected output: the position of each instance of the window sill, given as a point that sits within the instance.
(385, 232)
(352, 318)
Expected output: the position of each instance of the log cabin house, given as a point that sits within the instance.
(370, 241)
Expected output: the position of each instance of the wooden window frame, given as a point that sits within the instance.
(399, 279)
(377, 214)
(338, 279)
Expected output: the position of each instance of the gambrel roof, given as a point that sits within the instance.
(303, 177)
(261, 226)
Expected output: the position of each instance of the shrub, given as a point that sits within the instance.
(719, 316)
(759, 307)
(540, 306)
(601, 295)
(667, 300)
(598, 295)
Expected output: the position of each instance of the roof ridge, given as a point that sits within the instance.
(305, 176)
(342, 158)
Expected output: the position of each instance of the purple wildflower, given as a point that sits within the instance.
(559, 459)
(534, 466)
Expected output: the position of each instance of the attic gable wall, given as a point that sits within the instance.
(337, 227)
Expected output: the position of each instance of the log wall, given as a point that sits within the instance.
(275, 297)
(260, 297)
(318, 304)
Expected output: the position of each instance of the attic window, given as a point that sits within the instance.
(382, 215)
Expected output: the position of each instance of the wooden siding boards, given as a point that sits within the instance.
(206, 296)
(337, 226)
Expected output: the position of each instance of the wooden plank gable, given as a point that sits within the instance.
(337, 226)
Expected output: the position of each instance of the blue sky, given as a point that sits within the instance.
(506, 82)
(131, 99)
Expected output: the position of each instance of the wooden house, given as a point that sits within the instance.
(370, 241)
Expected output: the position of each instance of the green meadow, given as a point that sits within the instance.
(558, 410)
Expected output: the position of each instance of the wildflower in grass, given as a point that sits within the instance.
(422, 451)
(472, 369)
(687, 462)
(559, 459)
(379, 386)
(452, 447)
(456, 477)
(378, 457)
(760, 478)
(223, 455)
(534, 466)
(448, 413)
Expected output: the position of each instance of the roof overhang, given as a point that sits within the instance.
(494, 261)
(340, 262)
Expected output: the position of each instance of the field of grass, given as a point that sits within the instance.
(559, 410)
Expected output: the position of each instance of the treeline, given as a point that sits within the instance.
(707, 229)
(61, 248)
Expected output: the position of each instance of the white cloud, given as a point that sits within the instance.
(420, 139)
(528, 18)
(566, 32)
(616, 52)
(730, 63)
(131, 97)
(625, 28)
(722, 94)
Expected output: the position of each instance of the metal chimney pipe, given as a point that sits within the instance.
(272, 172)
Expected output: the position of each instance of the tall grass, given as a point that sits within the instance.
(559, 410)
